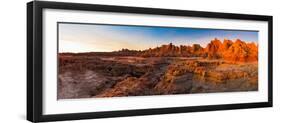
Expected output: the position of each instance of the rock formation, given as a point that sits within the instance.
(238, 51)
(241, 51)
(222, 66)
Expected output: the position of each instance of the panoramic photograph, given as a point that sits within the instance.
(103, 60)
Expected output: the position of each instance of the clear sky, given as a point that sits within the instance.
(107, 38)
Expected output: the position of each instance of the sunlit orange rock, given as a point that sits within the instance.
(212, 49)
(237, 51)
(241, 52)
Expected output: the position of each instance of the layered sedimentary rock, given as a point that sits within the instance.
(241, 51)
(171, 50)
(228, 50)
(221, 66)
(238, 51)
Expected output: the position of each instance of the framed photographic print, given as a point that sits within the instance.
(89, 61)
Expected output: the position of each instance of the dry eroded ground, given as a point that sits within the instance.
(91, 76)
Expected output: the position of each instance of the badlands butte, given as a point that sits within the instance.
(221, 66)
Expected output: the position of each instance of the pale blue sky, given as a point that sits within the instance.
(106, 38)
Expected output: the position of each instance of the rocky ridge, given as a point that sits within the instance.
(227, 50)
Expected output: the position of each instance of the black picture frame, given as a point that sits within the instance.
(35, 69)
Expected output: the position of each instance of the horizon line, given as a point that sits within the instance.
(247, 42)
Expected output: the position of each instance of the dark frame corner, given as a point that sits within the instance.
(34, 60)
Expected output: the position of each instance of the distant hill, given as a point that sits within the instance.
(229, 50)
(171, 50)
(236, 50)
